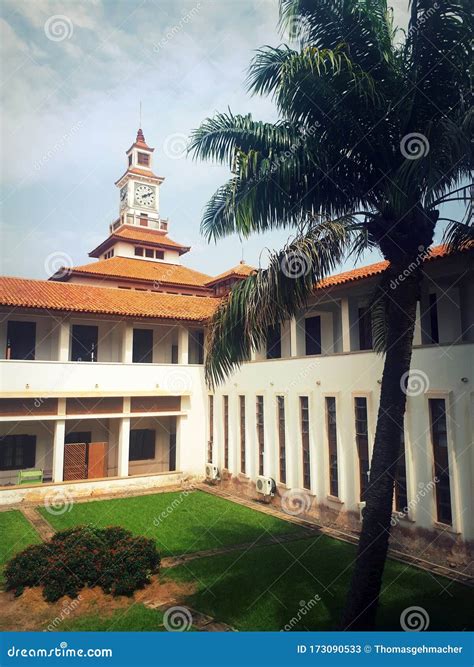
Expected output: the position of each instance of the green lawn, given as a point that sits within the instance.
(135, 618)
(179, 524)
(265, 588)
(17, 533)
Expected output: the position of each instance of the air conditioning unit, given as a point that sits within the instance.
(361, 511)
(212, 471)
(266, 486)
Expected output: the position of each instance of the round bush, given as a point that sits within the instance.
(111, 558)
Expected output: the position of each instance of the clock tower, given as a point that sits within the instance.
(139, 190)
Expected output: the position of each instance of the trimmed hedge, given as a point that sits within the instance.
(111, 558)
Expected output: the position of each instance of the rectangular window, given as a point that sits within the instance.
(76, 437)
(312, 334)
(172, 465)
(21, 340)
(139, 252)
(331, 422)
(142, 346)
(196, 346)
(143, 220)
(174, 354)
(143, 158)
(362, 442)
(304, 408)
(434, 327)
(210, 442)
(242, 433)
(159, 254)
(226, 431)
(439, 438)
(260, 434)
(281, 437)
(17, 452)
(130, 160)
(84, 342)
(400, 487)
(142, 444)
(149, 253)
(274, 342)
(365, 329)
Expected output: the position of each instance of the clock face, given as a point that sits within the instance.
(145, 195)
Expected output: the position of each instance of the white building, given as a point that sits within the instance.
(102, 385)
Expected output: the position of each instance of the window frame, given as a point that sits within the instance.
(305, 437)
(142, 444)
(30, 441)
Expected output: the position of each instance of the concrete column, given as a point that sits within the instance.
(64, 334)
(345, 325)
(183, 345)
(58, 450)
(127, 343)
(293, 337)
(123, 447)
(417, 332)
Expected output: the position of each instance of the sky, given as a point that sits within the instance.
(73, 74)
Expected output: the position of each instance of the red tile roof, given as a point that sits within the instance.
(141, 172)
(242, 270)
(134, 234)
(71, 297)
(140, 269)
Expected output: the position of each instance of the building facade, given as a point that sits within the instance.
(102, 386)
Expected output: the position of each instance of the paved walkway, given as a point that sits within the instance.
(39, 523)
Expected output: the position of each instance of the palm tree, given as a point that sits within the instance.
(373, 137)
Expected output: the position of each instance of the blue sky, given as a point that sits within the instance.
(71, 108)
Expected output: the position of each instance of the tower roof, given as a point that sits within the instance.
(140, 142)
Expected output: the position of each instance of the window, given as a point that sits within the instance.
(84, 342)
(159, 254)
(130, 160)
(139, 252)
(400, 487)
(332, 445)
(149, 253)
(143, 220)
(21, 340)
(143, 158)
(74, 437)
(142, 346)
(281, 437)
(109, 254)
(260, 434)
(210, 442)
(362, 442)
(226, 431)
(439, 438)
(304, 407)
(174, 354)
(142, 444)
(242, 433)
(365, 329)
(196, 346)
(434, 328)
(274, 342)
(17, 452)
(312, 333)
(172, 465)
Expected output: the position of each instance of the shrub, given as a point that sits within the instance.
(111, 558)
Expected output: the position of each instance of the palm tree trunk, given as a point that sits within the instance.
(362, 600)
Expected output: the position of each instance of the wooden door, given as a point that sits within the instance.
(97, 460)
(75, 461)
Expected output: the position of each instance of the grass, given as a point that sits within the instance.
(178, 523)
(135, 618)
(264, 589)
(17, 534)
